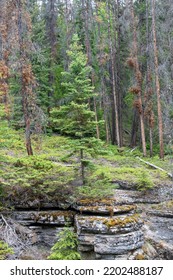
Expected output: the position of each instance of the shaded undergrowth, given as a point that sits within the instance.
(53, 171)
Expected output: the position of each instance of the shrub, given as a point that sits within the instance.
(66, 247)
(144, 181)
(5, 250)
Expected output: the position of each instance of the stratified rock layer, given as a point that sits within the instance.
(109, 236)
(105, 230)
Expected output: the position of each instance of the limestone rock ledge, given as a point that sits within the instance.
(109, 237)
(59, 218)
(104, 230)
(118, 244)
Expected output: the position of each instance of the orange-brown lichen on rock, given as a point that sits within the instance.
(139, 257)
(52, 216)
(96, 202)
(119, 221)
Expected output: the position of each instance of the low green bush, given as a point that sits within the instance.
(5, 250)
(66, 247)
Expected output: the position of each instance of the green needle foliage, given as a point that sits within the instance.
(66, 247)
(75, 118)
(5, 250)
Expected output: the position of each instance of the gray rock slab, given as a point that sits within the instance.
(107, 225)
(29, 218)
(118, 244)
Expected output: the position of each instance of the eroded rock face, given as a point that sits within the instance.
(118, 244)
(103, 207)
(108, 225)
(109, 236)
(58, 218)
(104, 230)
(156, 208)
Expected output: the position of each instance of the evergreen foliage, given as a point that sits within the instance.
(75, 118)
(91, 72)
(5, 250)
(66, 247)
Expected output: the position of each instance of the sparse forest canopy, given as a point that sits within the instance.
(119, 74)
(125, 51)
(120, 70)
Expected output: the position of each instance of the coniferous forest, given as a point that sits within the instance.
(86, 129)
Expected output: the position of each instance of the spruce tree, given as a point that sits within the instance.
(66, 247)
(75, 117)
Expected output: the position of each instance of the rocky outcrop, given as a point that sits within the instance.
(156, 208)
(104, 229)
(30, 218)
(132, 225)
(109, 236)
(103, 207)
(118, 244)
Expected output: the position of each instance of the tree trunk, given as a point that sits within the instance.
(28, 138)
(26, 76)
(149, 104)
(105, 103)
(151, 141)
(82, 166)
(5, 17)
(51, 33)
(118, 69)
(105, 110)
(159, 109)
(114, 92)
(138, 77)
(134, 130)
(86, 12)
(156, 167)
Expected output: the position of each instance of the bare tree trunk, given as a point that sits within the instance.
(51, 33)
(138, 76)
(82, 166)
(26, 75)
(159, 109)
(148, 102)
(96, 118)
(134, 130)
(155, 166)
(85, 6)
(114, 93)
(105, 109)
(151, 141)
(5, 18)
(118, 68)
(105, 104)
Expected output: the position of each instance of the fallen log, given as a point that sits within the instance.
(156, 167)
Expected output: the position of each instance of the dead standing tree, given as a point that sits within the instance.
(27, 79)
(115, 129)
(159, 109)
(137, 90)
(5, 17)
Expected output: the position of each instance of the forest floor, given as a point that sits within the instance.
(56, 166)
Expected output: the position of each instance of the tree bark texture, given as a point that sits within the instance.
(159, 109)
(26, 76)
(138, 77)
(113, 81)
